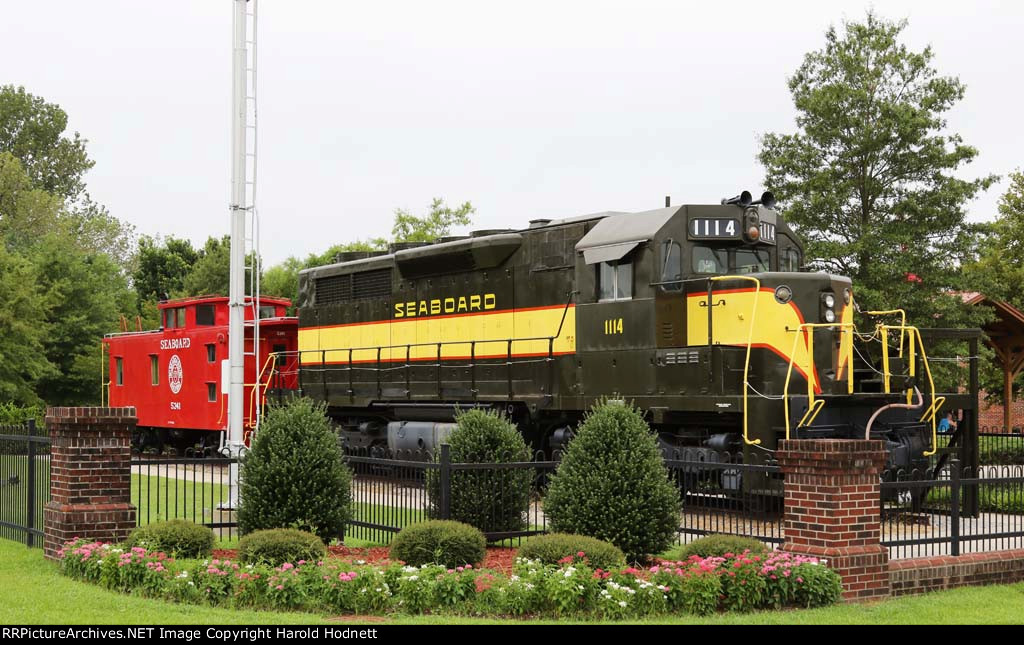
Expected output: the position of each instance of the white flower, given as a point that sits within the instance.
(410, 578)
(622, 603)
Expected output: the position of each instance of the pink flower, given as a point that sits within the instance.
(799, 579)
(280, 587)
(286, 566)
(581, 554)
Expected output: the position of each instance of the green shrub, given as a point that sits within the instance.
(277, 546)
(443, 542)
(718, 545)
(294, 476)
(554, 547)
(612, 484)
(490, 500)
(177, 538)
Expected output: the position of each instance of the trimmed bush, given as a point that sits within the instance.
(490, 500)
(612, 484)
(718, 545)
(555, 547)
(451, 544)
(277, 546)
(178, 538)
(294, 476)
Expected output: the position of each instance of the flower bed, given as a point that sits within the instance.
(572, 588)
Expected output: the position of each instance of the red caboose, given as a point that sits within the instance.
(176, 376)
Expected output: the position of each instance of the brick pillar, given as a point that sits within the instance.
(832, 509)
(90, 475)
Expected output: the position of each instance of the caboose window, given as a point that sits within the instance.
(709, 261)
(168, 319)
(211, 392)
(614, 281)
(267, 311)
(154, 369)
(211, 353)
(120, 370)
(205, 315)
(181, 316)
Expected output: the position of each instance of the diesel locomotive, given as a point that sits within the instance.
(703, 316)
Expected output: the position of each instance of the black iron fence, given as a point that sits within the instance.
(392, 490)
(995, 447)
(198, 490)
(719, 494)
(728, 493)
(24, 482)
(953, 511)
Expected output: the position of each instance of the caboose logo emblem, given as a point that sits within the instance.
(174, 374)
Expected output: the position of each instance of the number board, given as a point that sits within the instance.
(767, 232)
(714, 227)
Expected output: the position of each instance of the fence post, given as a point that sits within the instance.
(446, 481)
(954, 506)
(30, 516)
(831, 509)
(90, 476)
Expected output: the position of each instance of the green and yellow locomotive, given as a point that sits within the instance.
(698, 314)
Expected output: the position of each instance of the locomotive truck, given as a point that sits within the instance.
(703, 316)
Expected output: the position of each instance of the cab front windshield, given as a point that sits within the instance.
(719, 261)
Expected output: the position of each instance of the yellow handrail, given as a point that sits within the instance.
(812, 412)
(915, 332)
(888, 312)
(813, 405)
(750, 339)
(933, 409)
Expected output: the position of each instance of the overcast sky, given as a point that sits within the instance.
(527, 109)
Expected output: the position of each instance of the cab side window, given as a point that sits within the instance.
(789, 260)
(614, 281)
(671, 266)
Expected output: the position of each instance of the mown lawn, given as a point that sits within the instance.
(36, 593)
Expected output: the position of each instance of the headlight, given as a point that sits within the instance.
(783, 294)
(830, 316)
(830, 301)
(846, 296)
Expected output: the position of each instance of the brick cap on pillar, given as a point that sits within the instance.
(820, 456)
(834, 553)
(92, 414)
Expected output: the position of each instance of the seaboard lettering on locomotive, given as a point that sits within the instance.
(700, 315)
